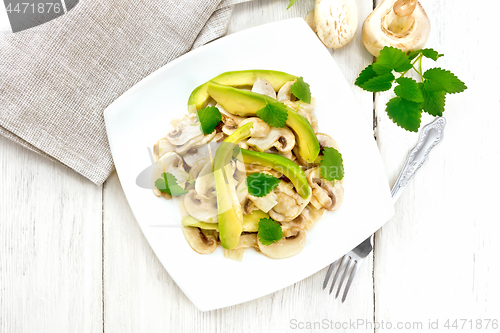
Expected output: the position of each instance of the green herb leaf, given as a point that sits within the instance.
(274, 114)
(269, 231)
(378, 83)
(408, 89)
(331, 164)
(261, 184)
(391, 59)
(291, 3)
(412, 55)
(301, 90)
(209, 118)
(365, 75)
(431, 54)
(440, 79)
(405, 113)
(433, 100)
(168, 184)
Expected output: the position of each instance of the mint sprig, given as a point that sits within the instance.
(412, 97)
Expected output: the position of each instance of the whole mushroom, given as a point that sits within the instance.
(335, 22)
(399, 23)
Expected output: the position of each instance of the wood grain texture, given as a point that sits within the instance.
(50, 246)
(139, 296)
(437, 258)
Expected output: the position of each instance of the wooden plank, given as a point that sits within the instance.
(437, 258)
(141, 296)
(50, 246)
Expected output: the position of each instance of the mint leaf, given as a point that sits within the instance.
(168, 184)
(391, 58)
(301, 90)
(274, 114)
(405, 113)
(291, 3)
(433, 100)
(209, 118)
(365, 75)
(378, 83)
(408, 89)
(269, 231)
(431, 54)
(412, 55)
(331, 164)
(261, 184)
(440, 79)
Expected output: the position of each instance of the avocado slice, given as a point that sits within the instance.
(281, 164)
(199, 97)
(246, 103)
(250, 222)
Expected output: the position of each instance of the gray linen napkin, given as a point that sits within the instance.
(57, 78)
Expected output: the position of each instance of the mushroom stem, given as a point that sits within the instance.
(400, 18)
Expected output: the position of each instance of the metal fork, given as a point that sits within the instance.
(430, 136)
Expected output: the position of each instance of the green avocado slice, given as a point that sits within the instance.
(246, 103)
(281, 164)
(199, 97)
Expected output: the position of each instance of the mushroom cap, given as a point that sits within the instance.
(285, 92)
(183, 130)
(172, 163)
(292, 243)
(198, 241)
(376, 32)
(289, 204)
(336, 22)
(264, 87)
(201, 208)
(205, 182)
(281, 138)
(260, 128)
(325, 193)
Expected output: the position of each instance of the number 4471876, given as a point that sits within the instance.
(40, 8)
(477, 324)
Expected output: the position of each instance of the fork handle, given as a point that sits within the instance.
(430, 136)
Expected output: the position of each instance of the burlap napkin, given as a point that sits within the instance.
(57, 78)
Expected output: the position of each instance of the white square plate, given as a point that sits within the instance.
(137, 119)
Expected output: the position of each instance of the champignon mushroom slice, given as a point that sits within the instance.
(327, 194)
(182, 149)
(281, 138)
(184, 129)
(292, 243)
(172, 163)
(327, 141)
(226, 115)
(260, 128)
(246, 241)
(399, 23)
(265, 203)
(248, 206)
(306, 219)
(290, 203)
(201, 243)
(201, 208)
(264, 87)
(205, 182)
(285, 92)
(162, 147)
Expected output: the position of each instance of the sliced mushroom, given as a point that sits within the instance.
(201, 243)
(265, 203)
(226, 115)
(201, 208)
(264, 87)
(306, 111)
(248, 206)
(205, 182)
(281, 138)
(290, 203)
(246, 241)
(285, 92)
(162, 147)
(260, 128)
(172, 163)
(291, 244)
(184, 129)
(327, 194)
(399, 23)
(307, 218)
(327, 141)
